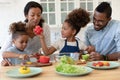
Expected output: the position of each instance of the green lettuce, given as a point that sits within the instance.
(68, 68)
(67, 60)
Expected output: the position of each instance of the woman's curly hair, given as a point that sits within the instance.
(78, 18)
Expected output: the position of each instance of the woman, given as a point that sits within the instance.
(32, 12)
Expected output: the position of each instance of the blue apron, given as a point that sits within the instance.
(69, 49)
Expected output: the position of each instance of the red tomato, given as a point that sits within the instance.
(38, 30)
(94, 64)
(100, 63)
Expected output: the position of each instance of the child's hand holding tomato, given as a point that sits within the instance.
(38, 30)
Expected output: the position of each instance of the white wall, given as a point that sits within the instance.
(116, 9)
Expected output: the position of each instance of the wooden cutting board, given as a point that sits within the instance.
(36, 64)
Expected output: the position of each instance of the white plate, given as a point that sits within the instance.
(88, 69)
(112, 65)
(15, 72)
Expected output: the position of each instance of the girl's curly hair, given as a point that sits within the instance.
(17, 29)
(78, 18)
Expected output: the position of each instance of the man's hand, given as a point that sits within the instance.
(94, 56)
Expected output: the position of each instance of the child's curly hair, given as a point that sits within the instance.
(78, 18)
(17, 29)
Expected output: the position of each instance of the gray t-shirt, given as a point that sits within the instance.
(15, 50)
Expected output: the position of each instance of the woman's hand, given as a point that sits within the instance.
(36, 55)
(6, 62)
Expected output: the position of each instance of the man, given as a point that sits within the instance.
(104, 34)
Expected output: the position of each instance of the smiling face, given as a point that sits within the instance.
(67, 31)
(34, 16)
(100, 20)
(21, 42)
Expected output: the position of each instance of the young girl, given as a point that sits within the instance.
(19, 40)
(76, 19)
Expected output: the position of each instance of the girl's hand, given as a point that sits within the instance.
(41, 36)
(6, 62)
(38, 30)
(90, 49)
(24, 56)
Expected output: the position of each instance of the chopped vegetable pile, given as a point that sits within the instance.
(66, 66)
(67, 60)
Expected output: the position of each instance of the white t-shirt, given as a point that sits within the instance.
(61, 42)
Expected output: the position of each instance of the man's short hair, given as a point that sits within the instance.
(104, 7)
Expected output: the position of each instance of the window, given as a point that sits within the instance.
(65, 7)
(55, 11)
(87, 5)
(49, 11)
